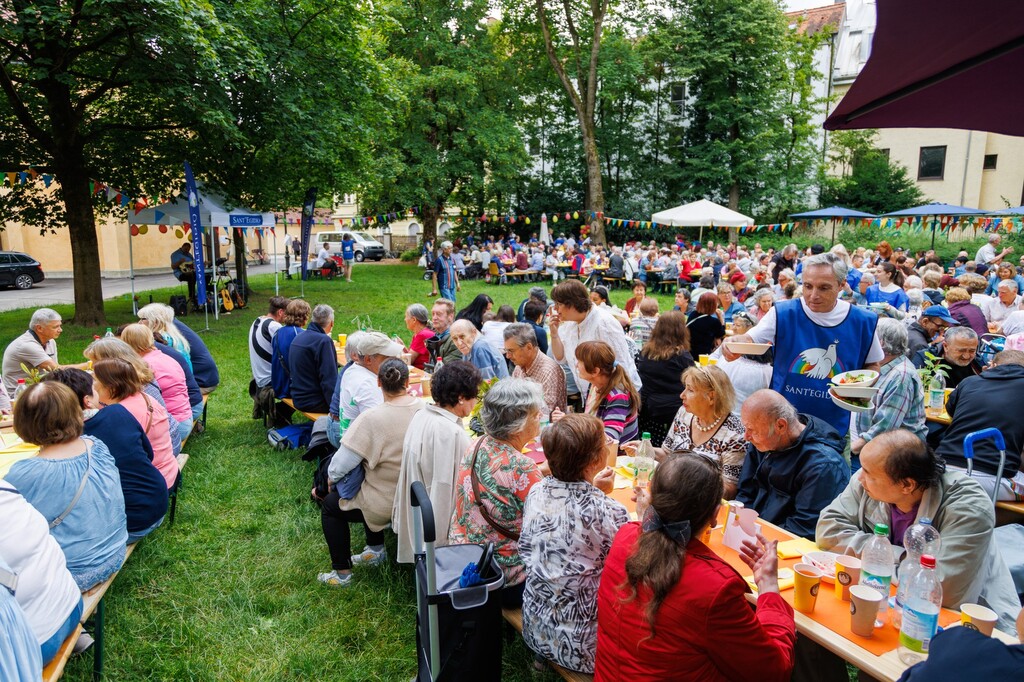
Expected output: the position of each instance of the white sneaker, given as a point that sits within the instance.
(369, 557)
(335, 579)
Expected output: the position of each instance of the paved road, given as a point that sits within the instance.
(52, 291)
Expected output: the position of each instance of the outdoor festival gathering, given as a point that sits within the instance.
(512, 341)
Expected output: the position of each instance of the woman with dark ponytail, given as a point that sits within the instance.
(670, 608)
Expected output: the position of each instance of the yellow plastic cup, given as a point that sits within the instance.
(806, 583)
(342, 339)
(704, 360)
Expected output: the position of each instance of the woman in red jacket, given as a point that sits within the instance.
(668, 608)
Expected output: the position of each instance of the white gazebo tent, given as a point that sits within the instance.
(701, 214)
(213, 212)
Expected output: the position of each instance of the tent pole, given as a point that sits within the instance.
(933, 235)
(131, 269)
(216, 293)
(277, 270)
(833, 232)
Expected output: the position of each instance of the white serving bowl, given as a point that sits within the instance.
(852, 407)
(867, 377)
(741, 348)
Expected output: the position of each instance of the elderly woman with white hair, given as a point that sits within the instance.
(495, 477)
(416, 320)
(899, 401)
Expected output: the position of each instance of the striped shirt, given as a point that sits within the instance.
(614, 411)
(261, 348)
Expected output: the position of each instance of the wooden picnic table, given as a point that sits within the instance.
(939, 416)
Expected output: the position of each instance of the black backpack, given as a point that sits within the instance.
(180, 305)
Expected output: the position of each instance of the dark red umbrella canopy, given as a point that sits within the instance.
(941, 64)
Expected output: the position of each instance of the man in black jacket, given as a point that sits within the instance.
(313, 363)
(933, 321)
(991, 399)
(794, 466)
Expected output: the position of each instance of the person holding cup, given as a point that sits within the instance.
(691, 619)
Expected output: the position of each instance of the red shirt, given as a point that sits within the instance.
(705, 629)
(418, 345)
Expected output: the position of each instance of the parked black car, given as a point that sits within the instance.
(19, 270)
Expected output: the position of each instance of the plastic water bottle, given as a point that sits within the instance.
(644, 461)
(937, 392)
(920, 539)
(920, 613)
(22, 387)
(876, 567)
(109, 334)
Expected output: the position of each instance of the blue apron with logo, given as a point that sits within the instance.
(808, 355)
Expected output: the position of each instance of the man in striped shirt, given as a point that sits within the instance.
(445, 276)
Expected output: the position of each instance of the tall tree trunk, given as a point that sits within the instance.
(595, 188)
(85, 247)
(241, 266)
(429, 216)
(734, 204)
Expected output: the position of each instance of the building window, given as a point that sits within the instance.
(932, 163)
(678, 100)
(990, 162)
(534, 146)
(856, 43)
(885, 152)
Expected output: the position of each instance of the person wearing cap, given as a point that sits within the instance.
(359, 390)
(899, 400)
(313, 363)
(475, 349)
(927, 329)
(740, 291)
(445, 277)
(902, 481)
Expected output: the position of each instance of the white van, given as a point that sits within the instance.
(366, 246)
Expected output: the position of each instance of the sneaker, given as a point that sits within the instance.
(369, 557)
(84, 643)
(335, 579)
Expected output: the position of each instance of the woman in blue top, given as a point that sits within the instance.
(73, 482)
(143, 486)
(888, 288)
(348, 254)
(295, 317)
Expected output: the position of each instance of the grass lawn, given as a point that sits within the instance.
(230, 592)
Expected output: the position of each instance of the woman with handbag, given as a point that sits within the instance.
(73, 482)
(364, 476)
(495, 477)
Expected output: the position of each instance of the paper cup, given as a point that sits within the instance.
(847, 575)
(977, 617)
(864, 603)
(425, 385)
(806, 582)
(611, 453)
(342, 339)
(704, 359)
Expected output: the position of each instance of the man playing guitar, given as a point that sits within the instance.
(184, 268)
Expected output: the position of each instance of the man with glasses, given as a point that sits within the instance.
(521, 348)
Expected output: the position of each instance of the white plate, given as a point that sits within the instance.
(855, 391)
(845, 405)
(868, 377)
(826, 561)
(741, 348)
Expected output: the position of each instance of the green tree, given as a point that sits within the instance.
(124, 91)
(867, 180)
(456, 137)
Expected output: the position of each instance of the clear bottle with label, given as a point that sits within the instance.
(876, 567)
(937, 392)
(920, 539)
(644, 461)
(21, 388)
(920, 613)
(109, 334)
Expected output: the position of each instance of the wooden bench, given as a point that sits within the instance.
(311, 416)
(514, 617)
(1009, 512)
(55, 668)
(172, 496)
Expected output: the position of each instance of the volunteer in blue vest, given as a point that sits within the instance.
(348, 255)
(446, 279)
(815, 338)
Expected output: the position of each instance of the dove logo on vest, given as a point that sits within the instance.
(818, 363)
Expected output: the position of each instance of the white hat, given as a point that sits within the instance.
(376, 343)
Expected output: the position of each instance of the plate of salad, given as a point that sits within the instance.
(856, 383)
(851, 404)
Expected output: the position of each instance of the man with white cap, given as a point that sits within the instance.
(359, 389)
(445, 275)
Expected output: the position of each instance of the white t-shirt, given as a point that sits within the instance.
(359, 392)
(764, 331)
(322, 257)
(46, 591)
(598, 325)
(985, 254)
(494, 334)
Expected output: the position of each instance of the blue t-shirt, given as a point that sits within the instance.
(93, 534)
(143, 486)
(487, 361)
(348, 249)
(897, 299)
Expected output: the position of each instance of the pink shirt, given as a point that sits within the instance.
(171, 379)
(157, 430)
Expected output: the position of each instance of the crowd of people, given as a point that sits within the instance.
(600, 594)
(108, 431)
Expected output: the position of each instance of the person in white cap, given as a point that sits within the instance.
(359, 389)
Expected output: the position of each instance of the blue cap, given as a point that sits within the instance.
(941, 313)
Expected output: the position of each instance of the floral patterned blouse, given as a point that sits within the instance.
(568, 528)
(505, 477)
(726, 446)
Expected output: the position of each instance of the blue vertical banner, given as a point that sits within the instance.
(307, 226)
(197, 234)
